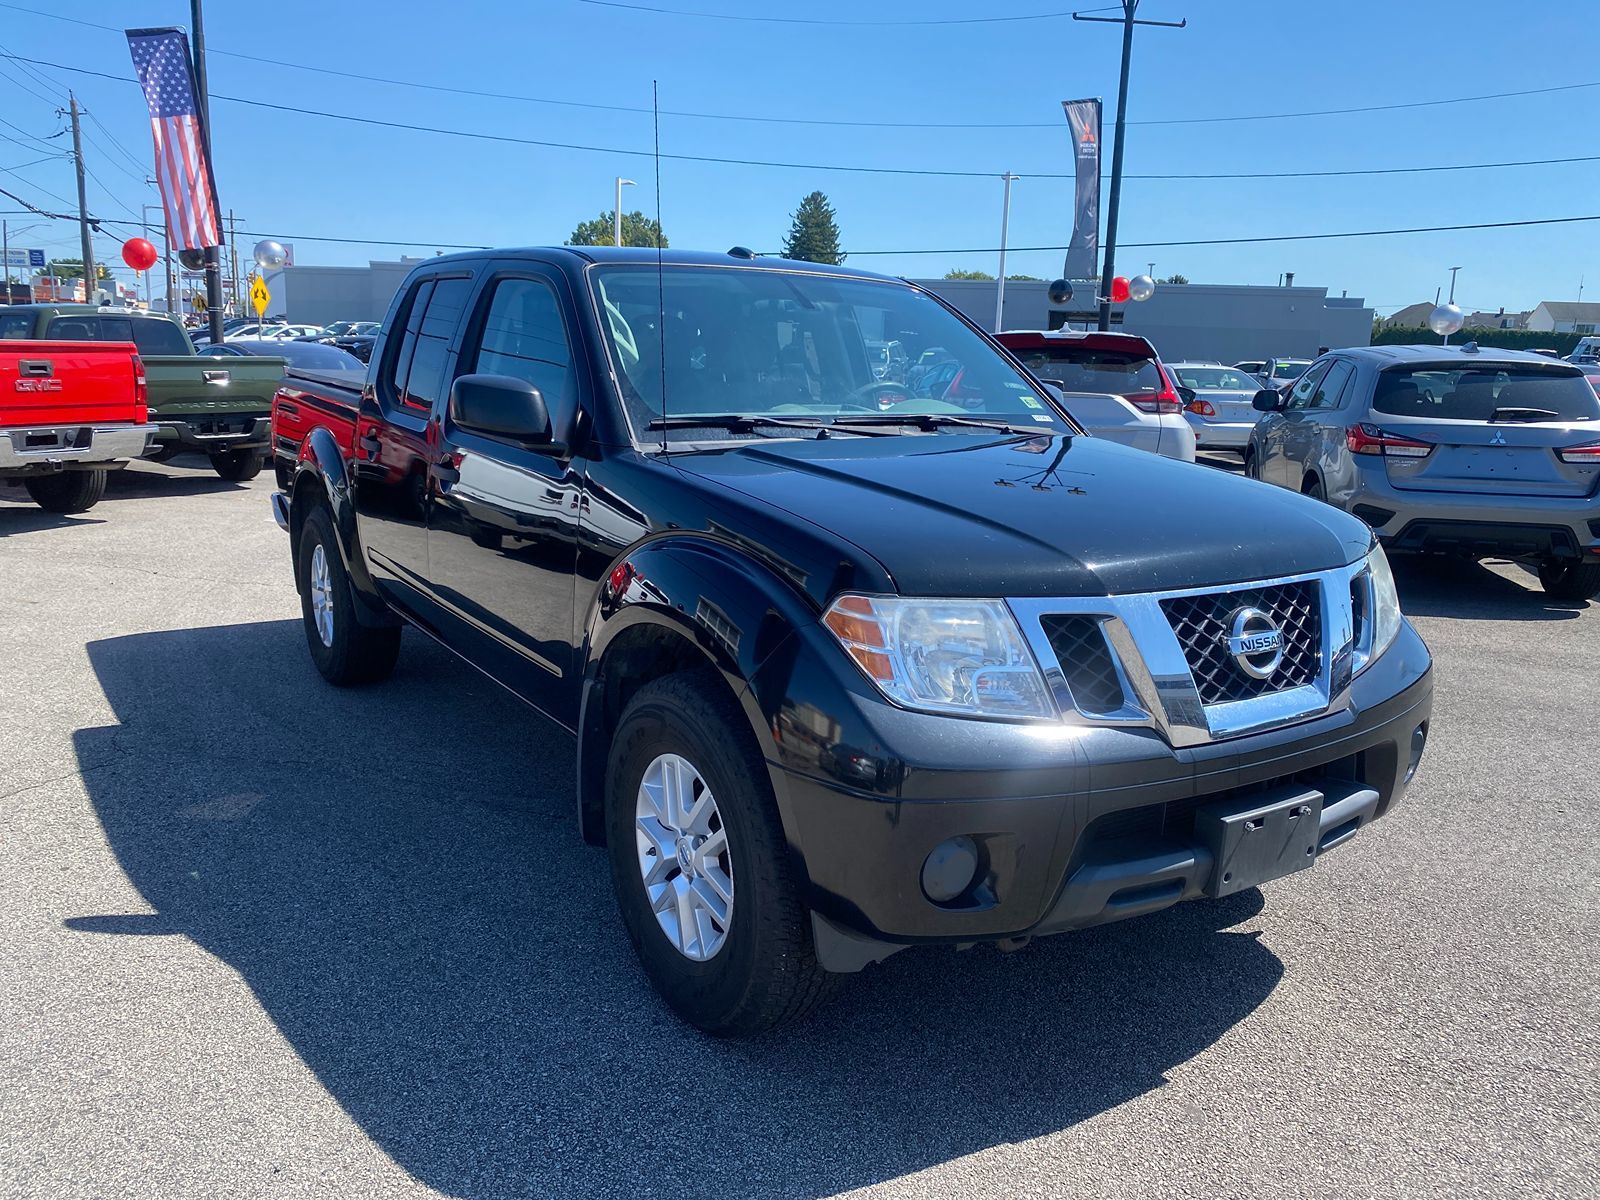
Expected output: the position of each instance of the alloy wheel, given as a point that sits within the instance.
(321, 595)
(684, 857)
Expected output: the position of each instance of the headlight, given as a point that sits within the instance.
(1383, 615)
(947, 656)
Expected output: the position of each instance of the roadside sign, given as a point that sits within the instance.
(259, 296)
(199, 302)
(26, 259)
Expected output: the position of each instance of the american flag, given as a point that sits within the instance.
(161, 56)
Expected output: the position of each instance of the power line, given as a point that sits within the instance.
(927, 172)
(713, 16)
(918, 124)
(1240, 241)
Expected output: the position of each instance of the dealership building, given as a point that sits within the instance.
(1226, 322)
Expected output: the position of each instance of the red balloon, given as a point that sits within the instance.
(139, 254)
(1119, 289)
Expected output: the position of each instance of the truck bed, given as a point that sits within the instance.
(307, 400)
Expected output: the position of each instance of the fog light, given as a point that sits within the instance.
(950, 869)
(1419, 739)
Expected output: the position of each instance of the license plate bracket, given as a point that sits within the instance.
(1262, 838)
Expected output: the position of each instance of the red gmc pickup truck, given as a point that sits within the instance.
(70, 412)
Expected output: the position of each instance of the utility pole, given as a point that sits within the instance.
(1000, 279)
(202, 100)
(89, 280)
(1127, 21)
(233, 255)
(5, 257)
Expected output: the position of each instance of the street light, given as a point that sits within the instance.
(616, 215)
(1000, 284)
(166, 250)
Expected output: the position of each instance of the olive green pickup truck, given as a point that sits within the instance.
(220, 407)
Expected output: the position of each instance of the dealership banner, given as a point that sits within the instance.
(1083, 251)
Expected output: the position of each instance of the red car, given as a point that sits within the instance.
(69, 413)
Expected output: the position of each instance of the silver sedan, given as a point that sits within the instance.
(1217, 403)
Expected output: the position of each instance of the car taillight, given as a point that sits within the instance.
(1201, 408)
(1369, 439)
(1164, 401)
(141, 391)
(1583, 456)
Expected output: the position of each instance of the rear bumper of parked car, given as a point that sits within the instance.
(52, 448)
(216, 432)
(1221, 435)
(1128, 828)
(1473, 523)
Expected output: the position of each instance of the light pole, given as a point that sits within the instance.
(166, 249)
(1000, 279)
(616, 213)
(1453, 271)
(1114, 201)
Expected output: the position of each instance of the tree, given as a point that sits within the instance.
(637, 230)
(1174, 279)
(71, 268)
(958, 273)
(814, 236)
(1025, 278)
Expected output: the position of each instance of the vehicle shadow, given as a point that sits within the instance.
(148, 480)
(1436, 586)
(24, 517)
(396, 874)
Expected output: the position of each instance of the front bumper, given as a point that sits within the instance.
(1110, 831)
(1476, 524)
(215, 433)
(43, 449)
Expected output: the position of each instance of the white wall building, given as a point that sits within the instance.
(1565, 316)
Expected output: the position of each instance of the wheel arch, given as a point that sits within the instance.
(322, 478)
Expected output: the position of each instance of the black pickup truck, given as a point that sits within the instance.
(849, 669)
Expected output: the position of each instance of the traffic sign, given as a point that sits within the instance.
(199, 302)
(259, 296)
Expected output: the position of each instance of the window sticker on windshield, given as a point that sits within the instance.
(1042, 417)
(1031, 402)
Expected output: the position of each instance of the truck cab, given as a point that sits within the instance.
(848, 669)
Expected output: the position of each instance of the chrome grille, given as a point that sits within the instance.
(1201, 625)
(1080, 648)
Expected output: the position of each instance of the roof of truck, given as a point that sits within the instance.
(737, 256)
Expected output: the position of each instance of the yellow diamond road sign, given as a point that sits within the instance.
(259, 296)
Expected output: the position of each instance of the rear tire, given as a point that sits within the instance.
(345, 651)
(1569, 580)
(1249, 456)
(758, 969)
(68, 492)
(237, 466)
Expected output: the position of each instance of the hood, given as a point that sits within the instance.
(955, 514)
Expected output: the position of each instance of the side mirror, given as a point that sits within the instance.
(1055, 391)
(503, 407)
(1267, 400)
(1186, 394)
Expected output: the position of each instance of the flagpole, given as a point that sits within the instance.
(202, 100)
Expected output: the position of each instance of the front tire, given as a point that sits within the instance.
(1251, 471)
(1569, 580)
(345, 651)
(700, 864)
(237, 466)
(68, 492)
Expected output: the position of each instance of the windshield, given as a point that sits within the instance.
(1216, 379)
(1079, 369)
(795, 346)
(1476, 393)
(1287, 368)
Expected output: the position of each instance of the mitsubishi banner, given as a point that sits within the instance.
(1083, 250)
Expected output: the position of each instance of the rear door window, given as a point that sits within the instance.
(1080, 370)
(1494, 391)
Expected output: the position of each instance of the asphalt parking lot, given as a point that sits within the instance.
(263, 938)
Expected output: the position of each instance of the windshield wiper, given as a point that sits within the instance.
(1523, 414)
(750, 422)
(931, 421)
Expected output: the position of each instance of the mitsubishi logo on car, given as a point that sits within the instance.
(1255, 642)
(1499, 439)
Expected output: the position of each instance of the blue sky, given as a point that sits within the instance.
(294, 176)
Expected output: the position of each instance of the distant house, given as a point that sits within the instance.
(1565, 316)
(1414, 315)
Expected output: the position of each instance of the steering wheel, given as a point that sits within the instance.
(870, 391)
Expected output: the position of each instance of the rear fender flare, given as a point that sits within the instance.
(321, 475)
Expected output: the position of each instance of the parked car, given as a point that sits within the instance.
(1587, 350)
(272, 330)
(302, 356)
(69, 413)
(1251, 366)
(200, 333)
(1112, 383)
(197, 404)
(341, 328)
(1448, 449)
(1280, 372)
(359, 345)
(843, 677)
(1218, 403)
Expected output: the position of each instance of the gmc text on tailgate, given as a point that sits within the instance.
(849, 669)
